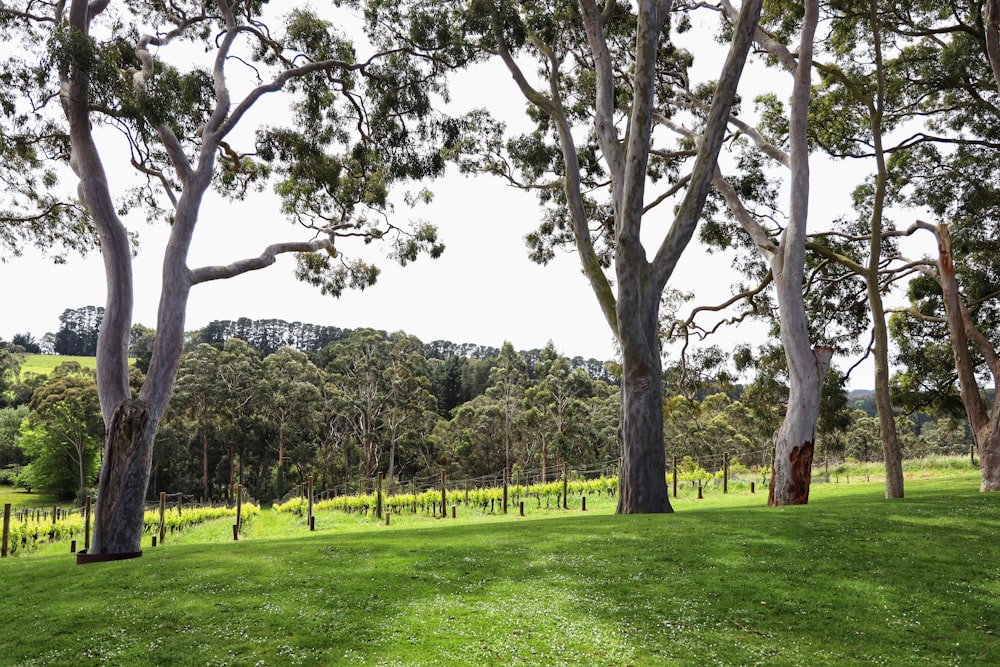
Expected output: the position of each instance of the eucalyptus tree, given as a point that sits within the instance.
(806, 364)
(558, 396)
(602, 72)
(508, 379)
(949, 170)
(154, 105)
(240, 372)
(288, 398)
(197, 400)
(412, 407)
(356, 368)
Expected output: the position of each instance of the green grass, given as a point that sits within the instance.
(44, 364)
(20, 498)
(848, 579)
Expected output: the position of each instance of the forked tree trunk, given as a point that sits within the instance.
(795, 440)
(128, 458)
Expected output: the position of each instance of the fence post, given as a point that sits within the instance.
(565, 486)
(444, 498)
(505, 483)
(6, 530)
(699, 490)
(725, 472)
(239, 513)
(180, 503)
(378, 497)
(86, 525)
(163, 510)
(675, 477)
(309, 520)
(972, 454)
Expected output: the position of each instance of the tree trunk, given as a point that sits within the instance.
(989, 453)
(963, 331)
(891, 452)
(128, 457)
(642, 481)
(794, 441)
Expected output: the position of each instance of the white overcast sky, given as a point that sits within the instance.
(483, 290)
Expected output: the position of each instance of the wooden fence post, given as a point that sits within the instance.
(309, 520)
(6, 530)
(180, 503)
(378, 497)
(239, 513)
(675, 477)
(163, 511)
(86, 525)
(565, 486)
(444, 498)
(506, 482)
(725, 472)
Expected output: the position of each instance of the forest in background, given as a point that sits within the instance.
(268, 403)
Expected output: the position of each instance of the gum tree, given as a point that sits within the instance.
(600, 72)
(153, 105)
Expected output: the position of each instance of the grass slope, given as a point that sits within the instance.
(848, 579)
(44, 364)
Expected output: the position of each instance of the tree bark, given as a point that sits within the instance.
(794, 441)
(128, 457)
(642, 483)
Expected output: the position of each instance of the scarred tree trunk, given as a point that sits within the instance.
(127, 460)
(794, 441)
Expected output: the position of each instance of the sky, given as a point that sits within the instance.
(482, 290)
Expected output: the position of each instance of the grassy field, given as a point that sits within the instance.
(848, 579)
(43, 364)
(20, 498)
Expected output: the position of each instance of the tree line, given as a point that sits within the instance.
(377, 403)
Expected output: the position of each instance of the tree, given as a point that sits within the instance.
(62, 434)
(78, 331)
(603, 72)
(357, 370)
(198, 396)
(411, 404)
(10, 426)
(27, 342)
(289, 399)
(507, 379)
(361, 124)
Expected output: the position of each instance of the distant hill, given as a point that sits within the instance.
(862, 399)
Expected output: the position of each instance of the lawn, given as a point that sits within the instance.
(849, 579)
